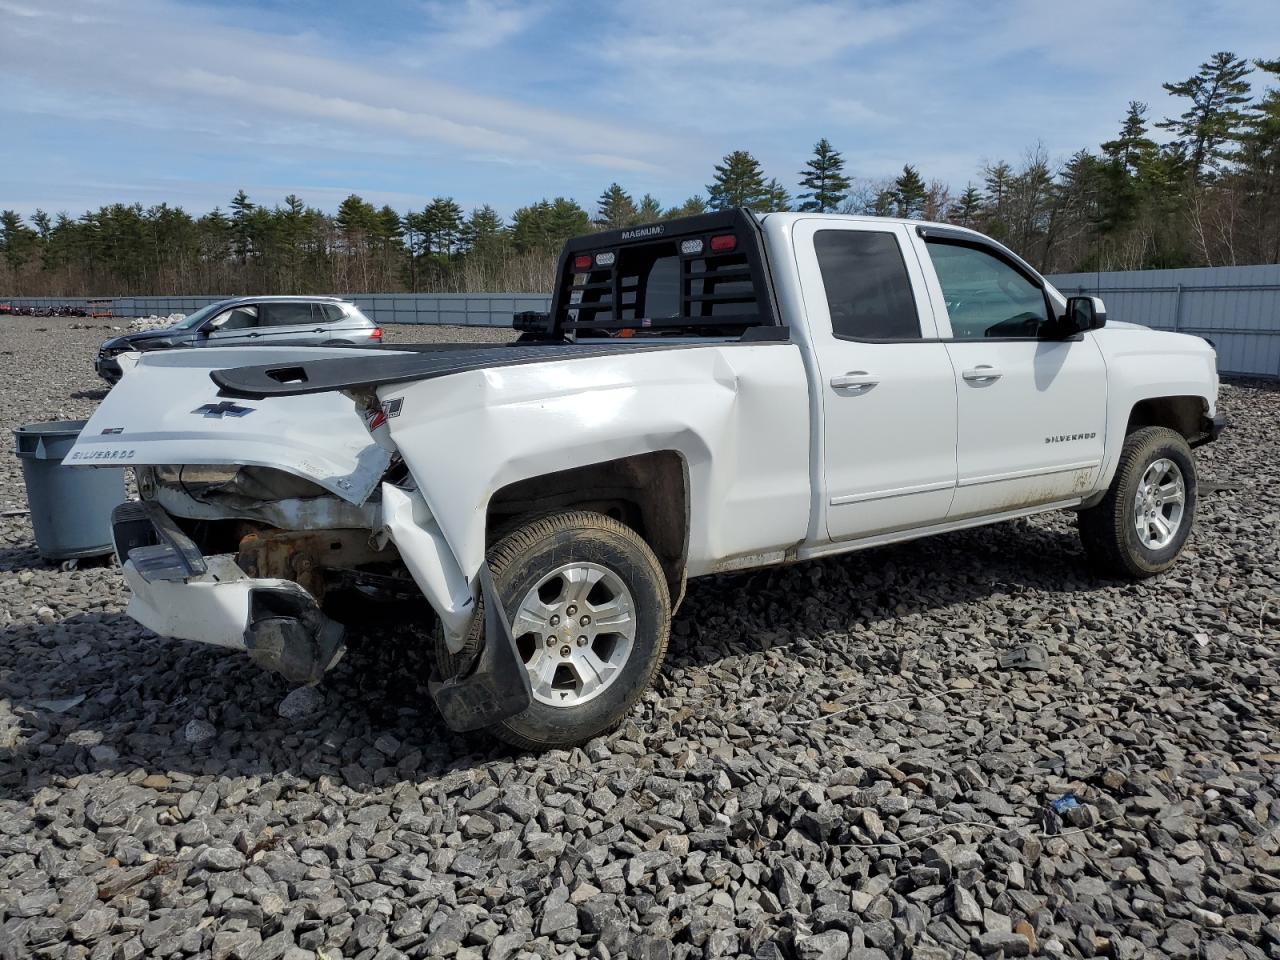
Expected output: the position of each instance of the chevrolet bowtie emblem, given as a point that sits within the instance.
(224, 409)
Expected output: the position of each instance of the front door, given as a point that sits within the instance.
(1032, 405)
(233, 327)
(886, 388)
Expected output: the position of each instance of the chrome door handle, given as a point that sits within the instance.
(982, 373)
(856, 379)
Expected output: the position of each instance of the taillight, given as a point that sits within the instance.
(723, 243)
(375, 333)
(582, 262)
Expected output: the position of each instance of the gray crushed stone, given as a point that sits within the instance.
(852, 758)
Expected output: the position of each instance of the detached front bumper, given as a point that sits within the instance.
(108, 368)
(177, 592)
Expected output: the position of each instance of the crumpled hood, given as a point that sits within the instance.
(168, 412)
(142, 339)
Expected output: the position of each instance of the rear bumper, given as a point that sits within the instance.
(179, 593)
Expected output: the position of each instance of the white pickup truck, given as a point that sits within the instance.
(709, 394)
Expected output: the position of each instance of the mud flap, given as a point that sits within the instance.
(497, 685)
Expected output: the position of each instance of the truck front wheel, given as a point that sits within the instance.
(590, 613)
(1140, 526)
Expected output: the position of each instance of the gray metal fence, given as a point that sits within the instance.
(1238, 308)
(465, 309)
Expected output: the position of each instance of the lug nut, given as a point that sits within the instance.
(552, 640)
(555, 619)
(585, 620)
(564, 651)
(572, 610)
(582, 641)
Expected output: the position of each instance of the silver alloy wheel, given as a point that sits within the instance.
(1160, 504)
(575, 630)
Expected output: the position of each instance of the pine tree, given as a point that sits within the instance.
(241, 230)
(690, 208)
(17, 240)
(776, 197)
(615, 209)
(1133, 149)
(968, 207)
(739, 182)
(909, 193)
(441, 226)
(567, 220)
(1214, 118)
(650, 210)
(823, 180)
(1259, 169)
(482, 231)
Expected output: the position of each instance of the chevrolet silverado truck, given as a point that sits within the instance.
(709, 394)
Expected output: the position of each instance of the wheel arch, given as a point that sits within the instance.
(1185, 414)
(649, 492)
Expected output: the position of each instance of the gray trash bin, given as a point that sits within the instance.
(70, 506)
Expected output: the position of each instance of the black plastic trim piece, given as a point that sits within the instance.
(1213, 428)
(497, 685)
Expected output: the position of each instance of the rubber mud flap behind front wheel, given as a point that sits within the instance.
(497, 685)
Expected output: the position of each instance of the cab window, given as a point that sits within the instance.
(987, 297)
(868, 289)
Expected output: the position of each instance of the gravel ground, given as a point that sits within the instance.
(840, 759)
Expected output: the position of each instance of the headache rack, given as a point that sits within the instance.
(705, 274)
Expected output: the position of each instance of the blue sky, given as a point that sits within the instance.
(505, 102)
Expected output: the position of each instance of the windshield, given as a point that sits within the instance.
(193, 320)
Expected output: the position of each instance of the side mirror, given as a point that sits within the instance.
(1084, 313)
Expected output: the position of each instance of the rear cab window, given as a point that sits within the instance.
(696, 276)
(868, 290)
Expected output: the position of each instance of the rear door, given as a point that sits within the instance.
(332, 323)
(888, 394)
(1031, 404)
(285, 322)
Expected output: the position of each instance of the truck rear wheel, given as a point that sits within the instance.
(590, 613)
(1141, 525)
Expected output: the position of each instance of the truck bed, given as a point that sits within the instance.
(404, 363)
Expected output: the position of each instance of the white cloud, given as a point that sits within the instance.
(167, 58)
(559, 97)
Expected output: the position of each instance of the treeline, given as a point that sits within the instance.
(1208, 195)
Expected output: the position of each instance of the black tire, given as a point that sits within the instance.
(1108, 530)
(519, 562)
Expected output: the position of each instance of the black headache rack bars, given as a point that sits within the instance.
(705, 274)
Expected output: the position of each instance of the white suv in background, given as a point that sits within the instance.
(242, 321)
